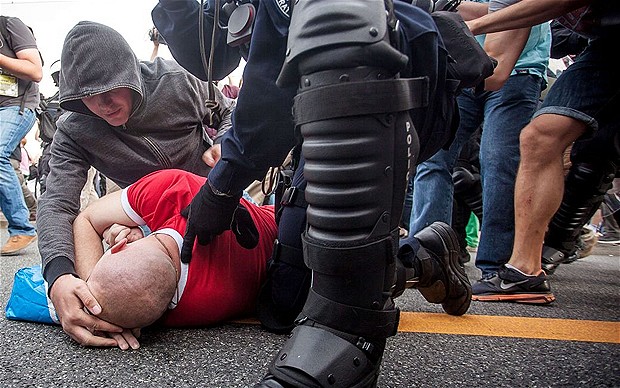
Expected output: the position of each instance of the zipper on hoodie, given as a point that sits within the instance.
(159, 154)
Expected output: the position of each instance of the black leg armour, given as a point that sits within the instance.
(359, 145)
(585, 187)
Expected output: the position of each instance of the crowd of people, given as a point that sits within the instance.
(186, 246)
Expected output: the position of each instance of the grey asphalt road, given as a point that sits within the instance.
(237, 355)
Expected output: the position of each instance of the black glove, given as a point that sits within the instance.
(208, 215)
(244, 229)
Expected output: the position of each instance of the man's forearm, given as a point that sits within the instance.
(471, 10)
(526, 13)
(88, 246)
(89, 226)
(55, 236)
(58, 207)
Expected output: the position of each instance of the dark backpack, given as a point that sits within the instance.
(48, 113)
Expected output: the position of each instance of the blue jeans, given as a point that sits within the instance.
(502, 114)
(13, 127)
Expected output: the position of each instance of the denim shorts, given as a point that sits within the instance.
(589, 91)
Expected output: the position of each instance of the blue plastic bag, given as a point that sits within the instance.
(29, 300)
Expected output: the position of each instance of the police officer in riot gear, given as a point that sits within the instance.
(352, 109)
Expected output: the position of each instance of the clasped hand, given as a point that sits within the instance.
(77, 310)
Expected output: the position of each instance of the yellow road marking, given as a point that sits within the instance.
(518, 327)
(503, 326)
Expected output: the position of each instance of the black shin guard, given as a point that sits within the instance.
(585, 188)
(359, 145)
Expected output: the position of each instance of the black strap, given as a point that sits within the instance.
(287, 254)
(294, 196)
(358, 259)
(552, 255)
(351, 319)
(362, 98)
(23, 102)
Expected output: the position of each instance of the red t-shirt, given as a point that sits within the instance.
(222, 279)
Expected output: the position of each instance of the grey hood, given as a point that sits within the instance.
(95, 59)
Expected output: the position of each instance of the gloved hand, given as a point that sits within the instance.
(209, 214)
(244, 229)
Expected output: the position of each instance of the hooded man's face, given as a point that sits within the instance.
(113, 106)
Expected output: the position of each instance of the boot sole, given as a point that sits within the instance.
(516, 298)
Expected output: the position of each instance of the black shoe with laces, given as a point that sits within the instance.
(442, 277)
(511, 285)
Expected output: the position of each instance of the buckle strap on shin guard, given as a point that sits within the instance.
(552, 256)
(351, 259)
(363, 98)
(350, 319)
(287, 254)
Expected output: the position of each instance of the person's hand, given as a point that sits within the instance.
(244, 229)
(70, 295)
(208, 215)
(126, 339)
(117, 232)
(212, 155)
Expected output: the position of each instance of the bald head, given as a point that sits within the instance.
(134, 285)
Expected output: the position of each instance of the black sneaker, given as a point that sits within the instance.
(443, 279)
(510, 285)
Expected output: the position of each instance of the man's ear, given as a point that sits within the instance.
(118, 246)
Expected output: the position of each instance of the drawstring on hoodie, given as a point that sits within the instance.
(214, 117)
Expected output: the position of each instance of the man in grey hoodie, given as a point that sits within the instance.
(126, 118)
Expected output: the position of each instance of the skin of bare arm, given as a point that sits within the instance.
(88, 229)
(470, 10)
(505, 47)
(26, 66)
(526, 13)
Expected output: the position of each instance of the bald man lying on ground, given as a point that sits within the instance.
(140, 280)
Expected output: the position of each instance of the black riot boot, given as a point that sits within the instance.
(437, 273)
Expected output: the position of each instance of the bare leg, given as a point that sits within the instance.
(540, 184)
